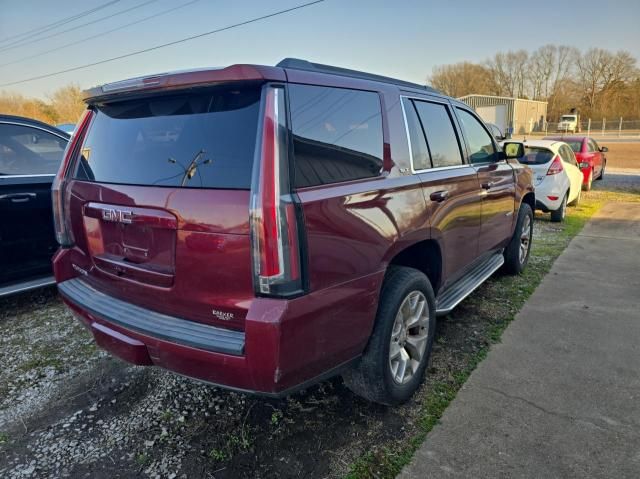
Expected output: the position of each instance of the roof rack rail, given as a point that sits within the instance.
(298, 64)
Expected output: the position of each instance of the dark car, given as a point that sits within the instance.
(263, 228)
(591, 157)
(30, 155)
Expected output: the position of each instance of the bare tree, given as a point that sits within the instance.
(462, 79)
(67, 103)
(509, 72)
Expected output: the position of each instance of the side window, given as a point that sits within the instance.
(442, 140)
(591, 146)
(481, 149)
(419, 150)
(337, 134)
(29, 151)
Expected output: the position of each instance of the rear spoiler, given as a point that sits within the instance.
(182, 79)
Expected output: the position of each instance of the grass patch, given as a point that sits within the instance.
(496, 303)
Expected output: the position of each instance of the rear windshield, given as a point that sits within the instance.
(576, 146)
(203, 140)
(568, 118)
(536, 156)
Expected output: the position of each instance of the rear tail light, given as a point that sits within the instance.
(59, 196)
(556, 166)
(275, 240)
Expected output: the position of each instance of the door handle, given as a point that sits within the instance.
(18, 197)
(439, 196)
(488, 185)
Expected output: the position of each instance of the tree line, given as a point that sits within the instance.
(65, 105)
(597, 82)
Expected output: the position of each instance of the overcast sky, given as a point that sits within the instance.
(403, 38)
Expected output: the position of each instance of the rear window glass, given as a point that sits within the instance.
(337, 134)
(536, 156)
(576, 146)
(29, 151)
(204, 140)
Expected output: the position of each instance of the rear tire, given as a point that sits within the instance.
(392, 344)
(559, 215)
(516, 255)
(576, 202)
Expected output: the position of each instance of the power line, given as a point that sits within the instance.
(97, 20)
(62, 47)
(157, 47)
(58, 23)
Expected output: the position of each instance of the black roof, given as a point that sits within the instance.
(298, 64)
(32, 122)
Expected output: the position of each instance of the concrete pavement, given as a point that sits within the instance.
(559, 397)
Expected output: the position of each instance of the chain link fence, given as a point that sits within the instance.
(606, 127)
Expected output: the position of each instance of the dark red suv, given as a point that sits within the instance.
(263, 228)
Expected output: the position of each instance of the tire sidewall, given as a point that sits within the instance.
(402, 392)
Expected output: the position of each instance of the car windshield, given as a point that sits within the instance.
(534, 155)
(568, 118)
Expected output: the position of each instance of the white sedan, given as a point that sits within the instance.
(557, 176)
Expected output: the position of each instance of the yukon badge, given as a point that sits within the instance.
(222, 315)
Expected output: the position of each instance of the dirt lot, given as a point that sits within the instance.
(622, 155)
(69, 410)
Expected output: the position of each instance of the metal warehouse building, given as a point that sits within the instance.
(519, 115)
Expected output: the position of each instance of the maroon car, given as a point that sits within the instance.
(263, 228)
(589, 155)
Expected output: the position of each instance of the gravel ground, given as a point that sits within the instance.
(69, 410)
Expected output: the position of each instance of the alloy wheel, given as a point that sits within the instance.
(409, 337)
(525, 239)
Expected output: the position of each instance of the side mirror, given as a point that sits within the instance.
(513, 150)
(604, 149)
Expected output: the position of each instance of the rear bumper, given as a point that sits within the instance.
(286, 344)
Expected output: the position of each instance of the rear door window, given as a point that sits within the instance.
(442, 139)
(25, 150)
(419, 151)
(337, 134)
(195, 140)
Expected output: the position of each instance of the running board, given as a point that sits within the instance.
(454, 294)
(26, 285)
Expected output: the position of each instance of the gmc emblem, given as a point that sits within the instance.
(117, 216)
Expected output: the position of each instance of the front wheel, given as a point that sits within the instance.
(516, 255)
(604, 165)
(393, 364)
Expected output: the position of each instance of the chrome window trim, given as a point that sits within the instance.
(41, 175)
(406, 129)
